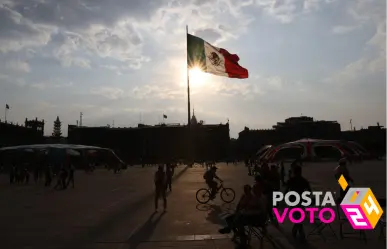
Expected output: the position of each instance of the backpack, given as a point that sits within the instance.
(207, 176)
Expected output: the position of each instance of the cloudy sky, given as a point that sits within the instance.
(125, 60)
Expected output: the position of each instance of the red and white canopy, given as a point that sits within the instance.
(309, 149)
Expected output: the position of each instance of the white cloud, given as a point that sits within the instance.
(311, 5)
(52, 83)
(343, 29)
(7, 79)
(371, 12)
(116, 69)
(368, 10)
(17, 32)
(379, 39)
(73, 61)
(287, 10)
(18, 66)
(157, 91)
(108, 92)
(275, 82)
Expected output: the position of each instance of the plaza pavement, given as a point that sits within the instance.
(107, 211)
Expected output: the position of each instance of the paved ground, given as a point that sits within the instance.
(107, 211)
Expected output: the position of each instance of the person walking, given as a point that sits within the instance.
(160, 181)
(342, 170)
(70, 178)
(169, 175)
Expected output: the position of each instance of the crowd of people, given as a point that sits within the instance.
(56, 172)
(255, 206)
(63, 174)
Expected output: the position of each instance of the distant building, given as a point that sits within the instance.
(373, 138)
(249, 141)
(14, 134)
(305, 127)
(294, 128)
(35, 125)
(154, 144)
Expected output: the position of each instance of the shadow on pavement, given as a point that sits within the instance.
(213, 215)
(145, 231)
(229, 207)
(203, 207)
(106, 225)
(292, 241)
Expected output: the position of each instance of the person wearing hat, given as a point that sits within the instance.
(209, 176)
(342, 170)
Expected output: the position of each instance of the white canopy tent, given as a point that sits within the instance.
(60, 150)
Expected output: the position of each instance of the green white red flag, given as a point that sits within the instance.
(213, 60)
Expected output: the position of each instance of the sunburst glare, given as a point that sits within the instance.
(197, 77)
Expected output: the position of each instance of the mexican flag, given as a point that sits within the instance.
(213, 60)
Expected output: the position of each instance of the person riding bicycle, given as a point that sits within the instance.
(209, 176)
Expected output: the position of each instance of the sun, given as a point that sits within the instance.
(196, 77)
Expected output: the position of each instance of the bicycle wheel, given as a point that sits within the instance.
(227, 195)
(203, 196)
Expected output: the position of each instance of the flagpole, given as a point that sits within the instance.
(188, 90)
(189, 147)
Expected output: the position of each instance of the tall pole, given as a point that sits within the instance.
(350, 122)
(188, 91)
(189, 108)
(5, 114)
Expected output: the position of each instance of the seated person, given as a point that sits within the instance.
(242, 204)
(298, 184)
(265, 171)
(266, 188)
(253, 214)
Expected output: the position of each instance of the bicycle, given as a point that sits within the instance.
(226, 194)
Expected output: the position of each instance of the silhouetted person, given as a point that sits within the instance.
(275, 178)
(266, 188)
(26, 174)
(169, 174)
(160, 181)
(282, 170)
(19, 174)
(71, 176)
(299, 184)
(342, 170)
(36, 173)
(265, 171)
(47, 176)
(63, 176)
(242, 204)
(12, 174)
